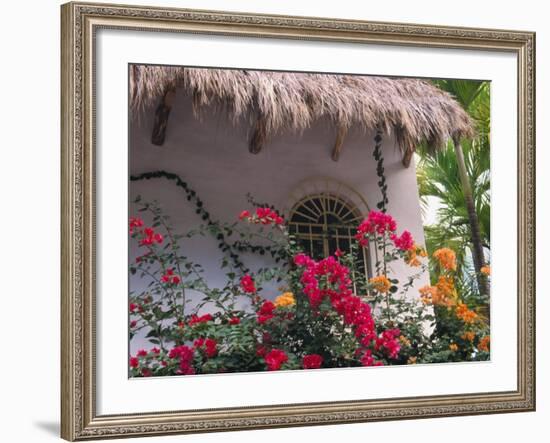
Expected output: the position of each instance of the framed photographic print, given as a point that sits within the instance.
(283, 221)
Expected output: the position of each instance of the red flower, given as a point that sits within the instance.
(368, 360)
(211, 347)
(263, 318)
(312, 361)
(169, 277)
(185, 355)
(150, 237)
(202, 319)
(338, 253)
(234, 320)
(142, 353)
(244, 214)
(275, 358)
(134, 362)
(247, 284)
(155, 351)
(261, 351)
(265, 312)
(146, 372)
(133, 323)
(133, 307)
(135, 223)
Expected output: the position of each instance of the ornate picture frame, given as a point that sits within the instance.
(80, 23)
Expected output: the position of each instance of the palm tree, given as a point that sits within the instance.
(459, 177)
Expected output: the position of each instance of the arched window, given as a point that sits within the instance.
(324, 222)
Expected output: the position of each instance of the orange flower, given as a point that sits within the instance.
(453, 347)
(380, 283)
(469, 336)
(412, 255)
(428, 294)
(284, 300)
(433, 295)
(446, 258)
(404, 340)
(486, 270)
(484, 343)
(446, 286)
(465, 314)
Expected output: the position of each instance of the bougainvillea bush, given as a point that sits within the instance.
(326, 313)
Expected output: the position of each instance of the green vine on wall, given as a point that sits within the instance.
(220, 232)
(377, 153)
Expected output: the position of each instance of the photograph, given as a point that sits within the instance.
(282, 221)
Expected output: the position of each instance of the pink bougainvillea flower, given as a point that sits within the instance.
(330, 279)
(388, 340)
(312, 361)
(404, 242)
(376, 223)
(134, 362)
(302, 260)
(264, 216)
(142, 353)
(275, 358)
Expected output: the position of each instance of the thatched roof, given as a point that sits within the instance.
(413, 110)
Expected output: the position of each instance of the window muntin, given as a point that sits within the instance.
(323, 223)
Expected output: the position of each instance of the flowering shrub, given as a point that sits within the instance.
(327, 314)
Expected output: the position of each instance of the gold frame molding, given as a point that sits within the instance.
(79, 21)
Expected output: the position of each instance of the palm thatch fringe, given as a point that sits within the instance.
(414, 111)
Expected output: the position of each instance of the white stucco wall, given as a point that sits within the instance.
(212, 155)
